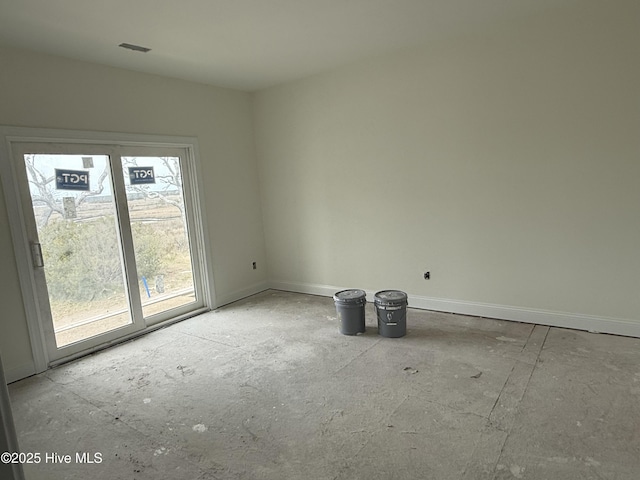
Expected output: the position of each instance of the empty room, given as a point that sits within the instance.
(320, 239)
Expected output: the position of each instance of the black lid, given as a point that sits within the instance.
(391, 297)
(351, 296)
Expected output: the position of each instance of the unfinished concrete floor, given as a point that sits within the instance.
(267, 388)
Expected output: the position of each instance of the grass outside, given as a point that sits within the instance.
(165, 232)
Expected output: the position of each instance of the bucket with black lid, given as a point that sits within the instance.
(350, 307)
(391, 310)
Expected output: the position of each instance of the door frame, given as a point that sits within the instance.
(194, 195)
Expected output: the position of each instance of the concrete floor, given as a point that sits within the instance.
(267, 388)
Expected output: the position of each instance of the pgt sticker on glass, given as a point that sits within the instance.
(141, 175)
(72, 179)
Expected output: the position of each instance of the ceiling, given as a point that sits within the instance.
(245, 44)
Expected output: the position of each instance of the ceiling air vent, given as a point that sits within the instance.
(135, 48)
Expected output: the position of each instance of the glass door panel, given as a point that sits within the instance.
(160, 233)
(115, 240)
(74, 209)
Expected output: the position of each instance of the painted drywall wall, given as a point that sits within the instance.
(506, 163)
(51, 92)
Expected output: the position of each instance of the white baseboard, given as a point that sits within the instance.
(18, 373)
(240, 294)
(577, 321)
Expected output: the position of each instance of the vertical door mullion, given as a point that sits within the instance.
(126, 238)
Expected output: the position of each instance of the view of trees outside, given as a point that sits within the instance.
(81, 245)
(160, 237)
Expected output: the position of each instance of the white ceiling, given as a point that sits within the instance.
(245, 44)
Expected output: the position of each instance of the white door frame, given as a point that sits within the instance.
(12, 135)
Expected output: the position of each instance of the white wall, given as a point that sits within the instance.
(51, 92)
(506, 163)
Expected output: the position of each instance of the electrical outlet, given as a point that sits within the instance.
(427, 275)
(254, 265)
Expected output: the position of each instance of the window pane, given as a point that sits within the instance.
(74, 209)
(160, 235)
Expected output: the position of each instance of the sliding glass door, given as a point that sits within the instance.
(113, 239)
